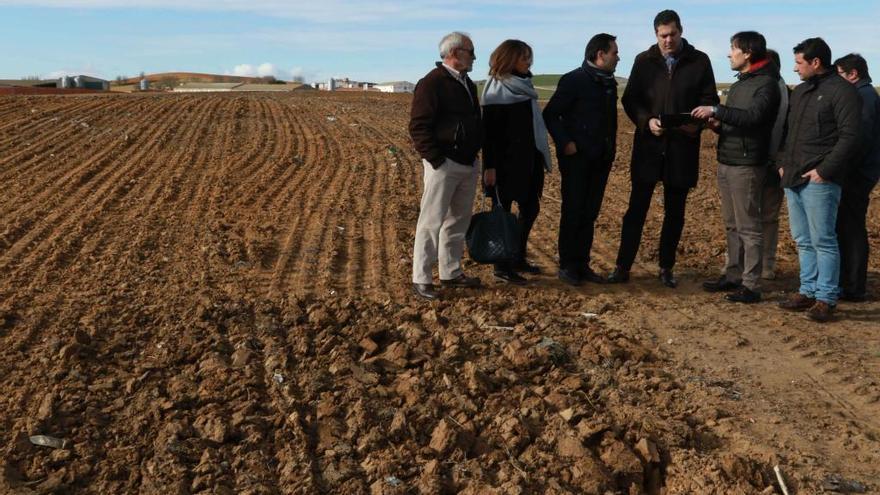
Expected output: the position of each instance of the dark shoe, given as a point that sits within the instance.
(524, 266)
(618, 276)
(798, 302)
(851, 297)
(588, 275)
(821, 312)
(425, 291)
(667, 278)
(570, 276)
(743, 295)
(720, 285)
(462, 281)
(511, 277)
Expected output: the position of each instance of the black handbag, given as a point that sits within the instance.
(494, 236)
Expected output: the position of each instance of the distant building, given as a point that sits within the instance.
(345, 84)
(88, 82)
(396, 87)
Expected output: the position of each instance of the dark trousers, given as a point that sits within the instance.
(528, 208)
(674, 200)
(852, 235)
(583, 187)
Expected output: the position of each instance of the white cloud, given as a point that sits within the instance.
(268, 69)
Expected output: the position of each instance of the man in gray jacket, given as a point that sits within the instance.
(746, 125)
(856, 194)
(822, 142)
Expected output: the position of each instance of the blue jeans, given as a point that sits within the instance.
(812, 215)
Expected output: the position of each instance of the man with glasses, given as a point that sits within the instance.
(446, 128)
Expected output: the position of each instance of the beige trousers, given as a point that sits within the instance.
(741, 188)
(447, 204)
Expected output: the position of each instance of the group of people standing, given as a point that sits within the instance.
(820, 143)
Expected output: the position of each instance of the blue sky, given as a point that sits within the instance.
(386, 40)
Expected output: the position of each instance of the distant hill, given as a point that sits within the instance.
(184, 77)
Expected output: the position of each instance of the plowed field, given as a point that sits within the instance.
(209, 294)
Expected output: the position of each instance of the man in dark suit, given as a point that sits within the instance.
(671, 77)
(852, 234)
(582, 118)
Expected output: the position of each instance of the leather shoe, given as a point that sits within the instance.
(525, 267)
(425, 291)
(588, 275)
(461, 281)
(667, 278)
(744, 295)
(570, 276)
(821, 312)
(798, 302)
(618, 276)
(510, 277)
(720, 285)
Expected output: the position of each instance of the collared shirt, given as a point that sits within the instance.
(461, 77)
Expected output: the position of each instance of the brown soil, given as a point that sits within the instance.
(209, 294)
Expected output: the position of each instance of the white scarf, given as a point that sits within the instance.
(514, 89)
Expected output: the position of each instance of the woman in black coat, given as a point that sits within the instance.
(515, 148)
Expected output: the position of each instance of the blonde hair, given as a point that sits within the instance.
(503, 60)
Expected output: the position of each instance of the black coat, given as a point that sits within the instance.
(674, 157)
(824, 121)
(509, 148)
(445, 119)
(584, 110)
(869, 156)
(748, 117)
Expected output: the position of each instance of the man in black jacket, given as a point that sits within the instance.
(581, 116)
(856, 194)
(446, 128)
(746, 125)
(671, 78)
(822, 142)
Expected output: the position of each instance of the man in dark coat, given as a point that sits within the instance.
(446, 129)
(672, 77)
(745, 124)
(852, 233)
(822, 142)
(581, 116)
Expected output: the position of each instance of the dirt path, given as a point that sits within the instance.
(209, 294)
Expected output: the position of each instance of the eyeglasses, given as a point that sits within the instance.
(468, 51)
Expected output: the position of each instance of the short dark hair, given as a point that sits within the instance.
(667, 17)
(856, 62)
(774, 56)
(599, 43)
(751, 42)
(813, 48)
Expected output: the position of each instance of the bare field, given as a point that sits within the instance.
(209, 294)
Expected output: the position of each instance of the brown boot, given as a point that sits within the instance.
(798, 302)
(821, 312)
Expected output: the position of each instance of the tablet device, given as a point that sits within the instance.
(668, 120)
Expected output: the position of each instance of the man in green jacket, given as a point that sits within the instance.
(745, 125)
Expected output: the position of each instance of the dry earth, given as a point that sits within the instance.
(208, 294)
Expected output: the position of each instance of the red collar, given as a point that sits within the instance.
(759, 64)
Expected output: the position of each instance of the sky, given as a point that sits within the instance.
(383, 40)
